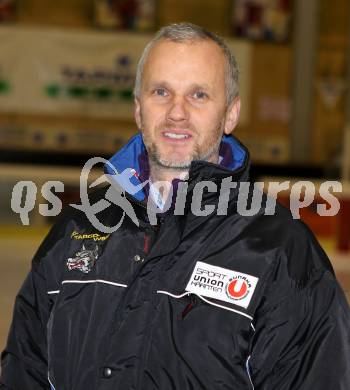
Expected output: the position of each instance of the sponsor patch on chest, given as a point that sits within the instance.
(222, 284)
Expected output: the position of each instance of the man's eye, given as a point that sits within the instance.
(200, 95)
(160, 92)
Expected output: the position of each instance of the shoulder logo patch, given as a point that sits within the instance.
(223, 284)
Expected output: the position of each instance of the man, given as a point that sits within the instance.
(208, 301)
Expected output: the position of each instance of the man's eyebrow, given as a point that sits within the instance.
(204, 86)
(158, 84)
(165, 84)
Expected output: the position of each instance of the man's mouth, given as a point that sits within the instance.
(171, 135)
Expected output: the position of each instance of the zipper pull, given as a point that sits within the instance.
(146, 244)
(189, 306)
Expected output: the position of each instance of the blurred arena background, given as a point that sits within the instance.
(66, 77)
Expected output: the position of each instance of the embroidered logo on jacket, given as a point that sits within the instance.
(83, 260)
(222, 284)
(93, 236)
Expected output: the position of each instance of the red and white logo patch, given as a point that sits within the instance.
(238, 288)
(221, 283)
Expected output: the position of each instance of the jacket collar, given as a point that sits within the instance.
(131, 164)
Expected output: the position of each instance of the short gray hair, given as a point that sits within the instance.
(188, 32)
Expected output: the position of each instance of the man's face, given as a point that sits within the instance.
(182, 110)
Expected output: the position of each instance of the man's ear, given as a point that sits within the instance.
(137, 113)
(232, 115)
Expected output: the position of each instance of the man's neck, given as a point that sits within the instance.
(161, 174)
(158, 173)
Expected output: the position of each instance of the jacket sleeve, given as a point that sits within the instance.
(302, 339)
(24, 360)
(24, 363)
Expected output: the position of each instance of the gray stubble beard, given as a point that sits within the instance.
(155, 157)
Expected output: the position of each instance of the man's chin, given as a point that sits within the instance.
(179, 160)
(174, 163)
(171, 164)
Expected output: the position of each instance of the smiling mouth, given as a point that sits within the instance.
(176, 135)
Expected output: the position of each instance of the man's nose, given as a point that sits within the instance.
(178, 110)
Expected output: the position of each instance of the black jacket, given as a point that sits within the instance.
(105, 312)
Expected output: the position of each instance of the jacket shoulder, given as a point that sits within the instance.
(71, 220)
(297, 250)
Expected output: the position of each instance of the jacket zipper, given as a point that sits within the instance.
(148, 333)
